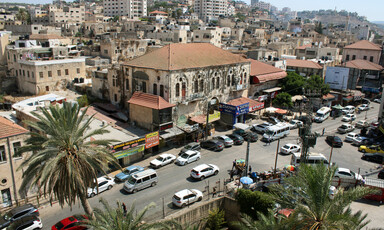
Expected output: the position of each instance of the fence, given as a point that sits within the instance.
(35, 200)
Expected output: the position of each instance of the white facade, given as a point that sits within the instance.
(131, 8)
(211, 10)
(66, 14)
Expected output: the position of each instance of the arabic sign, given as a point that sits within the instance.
(214, 117)
(151, 139)
(227, 108)
(128, 152)
(129, 144)
(235, 110)
(257, 107)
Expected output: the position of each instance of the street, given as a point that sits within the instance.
(173, 178)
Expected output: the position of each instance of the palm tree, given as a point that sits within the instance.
(64, 160)
(308, 194)
(268, 221)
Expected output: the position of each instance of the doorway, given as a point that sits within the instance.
(6, 196)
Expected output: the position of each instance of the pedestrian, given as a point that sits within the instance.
(323, 132)
(124, 209)
(231, 175)
(269, 141)
(250, 169)
(214, 192)
(233, 164)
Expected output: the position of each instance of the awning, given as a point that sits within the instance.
(172, 132)
(202, 119)
(328, 97)
(298, 98)
(269, 77)
(349, 98)
(253, 105)
(337, 107)
(281, 111)
(42, 51)
(272, 90)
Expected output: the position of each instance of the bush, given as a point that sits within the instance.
(215, 219)
(253, 202)
(83, 101)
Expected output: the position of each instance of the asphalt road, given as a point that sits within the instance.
(173, 178)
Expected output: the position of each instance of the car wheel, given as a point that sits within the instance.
(200, 198)
(153, 184)
(197, 158)
(183, 205)
(134, 191)
(202, 177)
(109, 187)
(92, 195)
(363, 150)
(216, 172)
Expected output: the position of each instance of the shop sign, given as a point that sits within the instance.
(166, 126)
(257, 107)
(129, 144)
(128, 152)
(214, 117)
(369, 89)
(151, 140)
(242, 109)
(274, 94)
(225, 108)
(262, 98)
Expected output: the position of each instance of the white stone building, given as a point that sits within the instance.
(133, 9)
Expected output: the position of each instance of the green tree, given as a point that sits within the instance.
(215, 219)
(252, 202)
(268, 221)
(65, 161)
(319, 28)
(115, 18)
(241, 17)
(307, 193)
(293, 84)
(283, 99)
(83, 100)
(316, 82)
(23, 15)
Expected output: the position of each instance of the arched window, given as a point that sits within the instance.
(201, 85)
(213, 84)
(177, 90)
(233, 79)
(196, 87)
(161, 90)
(183, 90)
(217, 82)
(241, 79)
(229, 80)
(154, 89)
(245, 77)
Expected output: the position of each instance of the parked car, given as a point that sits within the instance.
(334, 141)
(228, 142)
(350, 136)
(358, 141)
(349, 117)
(348, 109)
(247, 135)
(163, 159)
(103, 184)
(71, 223)
(362, 124)
(373, 157)
(273, 120)
(127, 172)
(347, 174)
(380, 175)
(345, 128)
(18, 213)
(293, 124)
(377, 100)
(191, 146)
(237, 139)
(186, 197)
(290, 148)
(371, 149)
(364, 107)
(212, 144)
(260, 128)
(346, 178)
(188, 157)
(374, 124)
(26, 223)
(204, 170)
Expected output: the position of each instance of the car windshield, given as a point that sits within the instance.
(188, 147)
(269, 132)
(354, 174)
(343, 127)
(286, 146)
(292, 122)
(131, 180)
(159, 159)
(227, 139)
(185, 156)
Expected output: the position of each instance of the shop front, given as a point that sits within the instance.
(231, 114)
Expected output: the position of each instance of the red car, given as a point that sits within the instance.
(70, 223)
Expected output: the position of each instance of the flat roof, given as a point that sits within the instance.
(52, 62)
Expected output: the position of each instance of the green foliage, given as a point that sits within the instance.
(241, 17)
(2, 98)
(293, 84)
(283, 99)
(316, 82)
(215, 220)
(83, 101)
(307, 193)
(78, 34)
(23, 15)
(116, 18)
(319, 28)
(253, 202)
(268, 221)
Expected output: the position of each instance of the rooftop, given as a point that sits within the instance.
(364, 45)
(363, 64)
(149, 101)
(303, 64)
(9, 128)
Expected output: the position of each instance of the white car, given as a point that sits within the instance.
(186, 197)
(204, 170)
(162, 160)
(363, 107)
(349, 117)
(377, 100)
(228, 142)
(362, 124)
(188, 157)
(346, 178)
(103, 183)
(293, 124)
(348, 109)
(26, 223)
(290, 148)
(350, 136)
(345, 128)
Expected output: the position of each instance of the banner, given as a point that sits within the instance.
(151, 139)
(129, 144)
(128, 152)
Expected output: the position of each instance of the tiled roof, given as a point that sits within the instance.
(44, 36)
(158, 12)
(303, 64)
(149, 101)
(363, 64)
(178, 56)
(260, 68)
(8, 128)
(303, 47)
(363, 45)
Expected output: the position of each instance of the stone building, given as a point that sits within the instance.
(12, 136)
(364, 50)
(122, 50)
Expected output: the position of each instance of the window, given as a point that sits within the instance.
(213, 84)
(347, 58)
(66, 72)
(115, 97)
(78, 70)
(196, 86)
(155, 89)
(105, 51)
(16, 146)
(144, 84)
(114, 80)
(371, 59)
(41, 74)
(217, 82)
(33, 74)
(201, 85)
(49, 73)
(28, 73)
(59, 73)
(365, 57)
(147, 178)
(126, 84)
(228, 80)
(24, 73)
(161, 90)
(233, 80)
(177, 89)
(353, 57)
(3, 157)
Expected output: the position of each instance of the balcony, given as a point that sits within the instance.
(193, 97)
(239, 87)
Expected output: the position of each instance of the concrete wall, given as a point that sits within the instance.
(360, 54)
(141, 115)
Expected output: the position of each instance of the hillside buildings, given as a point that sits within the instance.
(133, 9)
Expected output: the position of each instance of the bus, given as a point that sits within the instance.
(275, 132)
(322, 114)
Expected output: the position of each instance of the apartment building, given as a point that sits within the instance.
(66, 14)
(133, 9)
(122, 50)
(364, 50)
(211, 10)
(208, 35)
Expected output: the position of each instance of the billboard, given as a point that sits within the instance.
(337, 77)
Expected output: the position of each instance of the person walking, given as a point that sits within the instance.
(231, 175)
(124, 209)
(323, 132)
(214, 192)
(233, 164)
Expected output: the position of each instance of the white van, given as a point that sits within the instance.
(348, 109)
(312, 158)
(275, 132)
(322, 114)
(141, 180)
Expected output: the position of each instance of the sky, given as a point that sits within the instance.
(372, 9)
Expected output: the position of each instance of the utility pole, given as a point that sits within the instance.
(207, 121)
(247, 158)
(277, 153)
